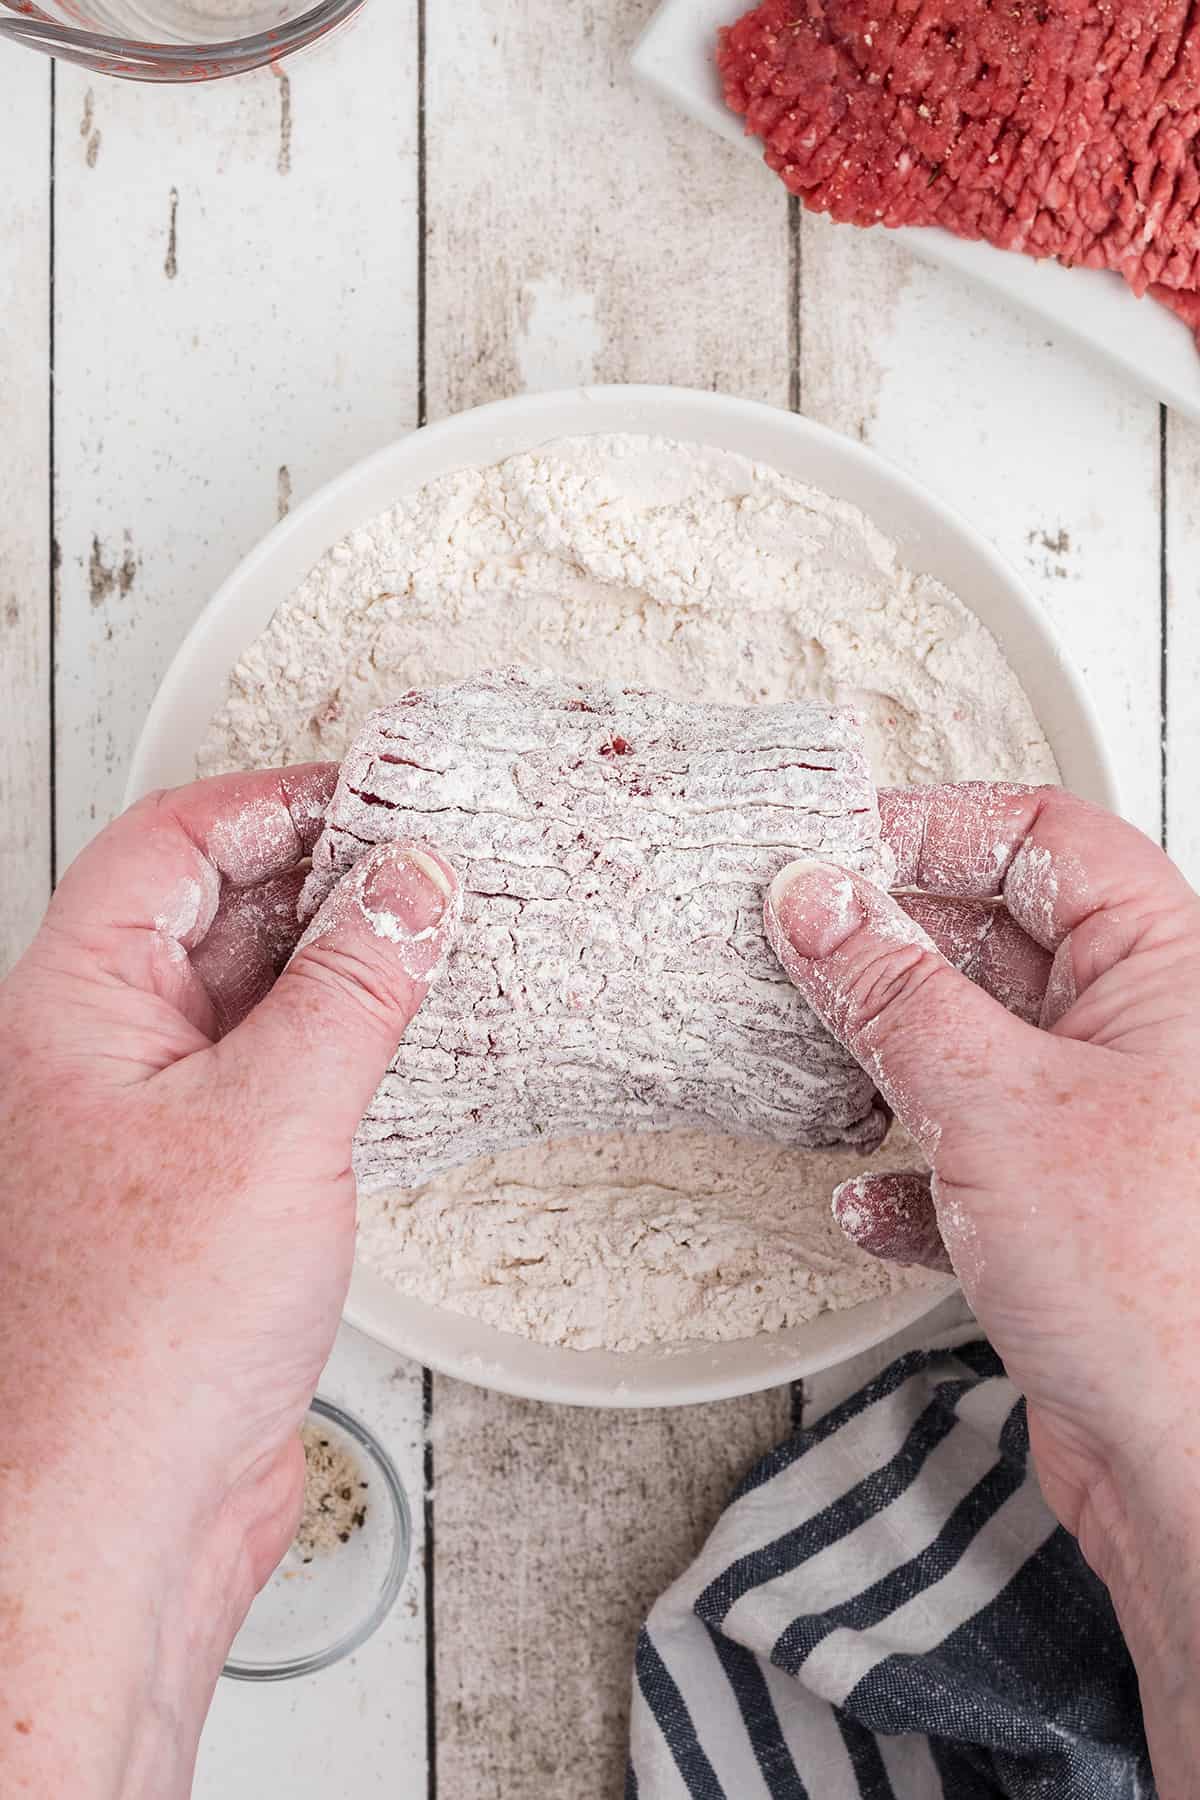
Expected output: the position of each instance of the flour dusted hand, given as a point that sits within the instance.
(612, 972)
(1066, 1167)
(176, 1235)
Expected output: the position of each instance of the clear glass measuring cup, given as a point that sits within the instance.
(171, 40)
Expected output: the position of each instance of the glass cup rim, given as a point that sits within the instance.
(397, 1568)
(147, 60)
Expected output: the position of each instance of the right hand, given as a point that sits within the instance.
(1066, 1159)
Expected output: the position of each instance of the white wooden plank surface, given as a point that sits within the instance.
(1182, 471)
(571, 238)
(560, 1527)
(25, 849)
(358, 1728)
(1046, 451)
(236, 322)
(236, 287)
(571, 220)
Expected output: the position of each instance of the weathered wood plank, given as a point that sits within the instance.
(573, 237)
(236, 323)
(25, 825)
(556, 1530)
(572, 218)
(1050, 455)
(253, 261)
(1182, 486)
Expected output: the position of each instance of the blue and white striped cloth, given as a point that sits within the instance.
(887, 1610)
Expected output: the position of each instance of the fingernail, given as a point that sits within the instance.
(404, 893)
(815, 906)
(429, 866)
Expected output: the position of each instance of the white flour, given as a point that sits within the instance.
(701, 574)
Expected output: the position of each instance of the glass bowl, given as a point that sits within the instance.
(311, 1614)
(171, 40)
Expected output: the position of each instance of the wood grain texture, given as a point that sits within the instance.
(556, 1530)
(1181, 469)
(572, 218)
(578, 231)
(25, 840)
(1047, 453)
(236, 323)
(236, 319)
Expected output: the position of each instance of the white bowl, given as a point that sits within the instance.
(931, 539)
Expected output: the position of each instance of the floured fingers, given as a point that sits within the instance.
(892, 1216)
(982, 940)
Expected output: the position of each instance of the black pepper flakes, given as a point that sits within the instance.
(333, 1482)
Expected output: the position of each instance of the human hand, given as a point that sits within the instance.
(177, 1208)
(1065, 1160)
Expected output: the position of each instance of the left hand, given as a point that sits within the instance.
(176, 1236)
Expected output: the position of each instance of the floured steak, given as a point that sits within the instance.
(612, 972)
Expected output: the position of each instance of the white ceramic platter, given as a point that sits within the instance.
(930, 537)
(1143, 339)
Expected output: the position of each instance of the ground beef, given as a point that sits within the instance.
(1068, 129)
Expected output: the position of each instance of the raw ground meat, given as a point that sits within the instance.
(612, 971)
(1065, 129)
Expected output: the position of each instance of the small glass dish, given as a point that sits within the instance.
(171, 40)
(312, 1613)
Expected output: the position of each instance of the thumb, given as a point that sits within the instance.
(929, 1039)
(326, 1032)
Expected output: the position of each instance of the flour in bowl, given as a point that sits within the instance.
(699, 573)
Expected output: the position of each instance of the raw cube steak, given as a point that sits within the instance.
(612, 972)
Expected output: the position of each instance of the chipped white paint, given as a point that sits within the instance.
(558, 339)
(575, 196)
(24, 499)
(1039, 444)
(556, 1529)
(236, 300)
(236, 321)
(236, 284)
(551, 176)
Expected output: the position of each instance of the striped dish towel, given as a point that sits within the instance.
(887, 1610)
